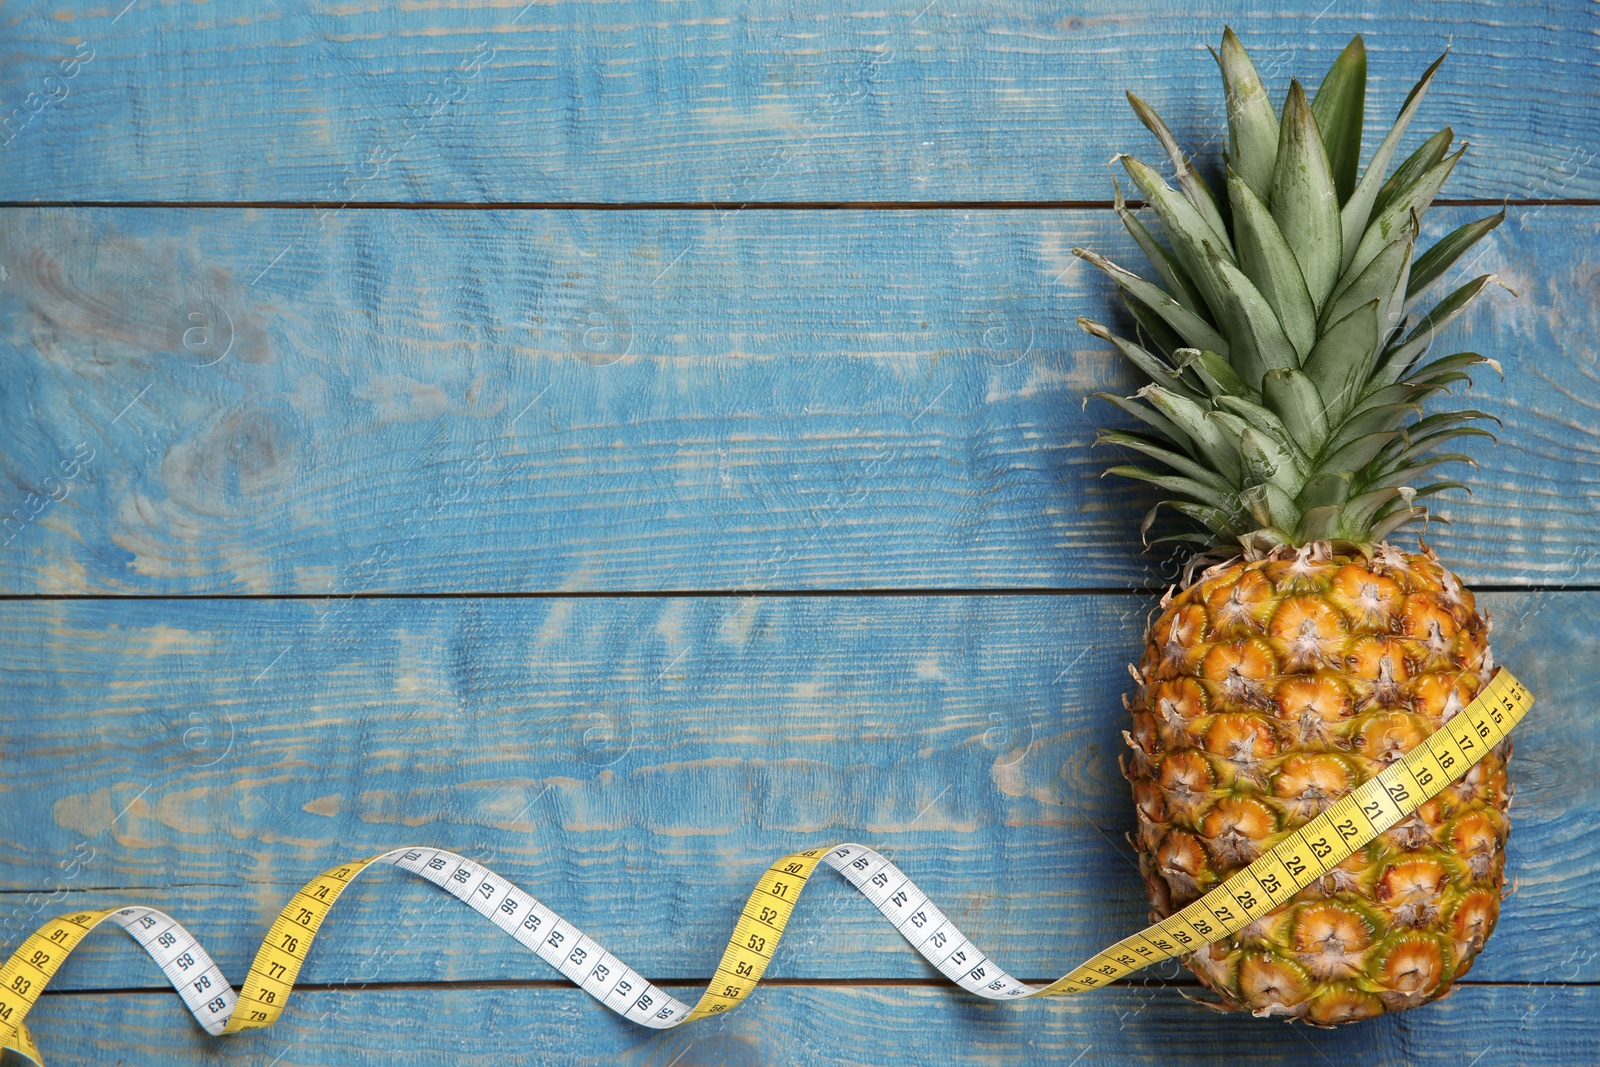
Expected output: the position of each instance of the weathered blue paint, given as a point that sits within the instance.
(328, 401)
(491, 101)
(637, 762)
(505, 401)
(1498, 1026)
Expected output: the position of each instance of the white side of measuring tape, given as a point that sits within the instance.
(1270, 881)
(582, 960)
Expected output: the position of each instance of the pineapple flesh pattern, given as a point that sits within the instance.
(1269, 689)
(1286, 377)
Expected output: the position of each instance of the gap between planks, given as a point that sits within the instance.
(725, 594)
(695, 205)
(775, 983)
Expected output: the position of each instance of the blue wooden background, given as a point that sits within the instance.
(623, 442)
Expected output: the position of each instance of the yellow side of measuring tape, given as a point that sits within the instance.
(1294, 863)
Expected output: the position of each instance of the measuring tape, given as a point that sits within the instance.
(1294, 863)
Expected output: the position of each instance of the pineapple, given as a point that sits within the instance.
(1283, 418)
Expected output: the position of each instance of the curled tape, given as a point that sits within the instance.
(1294, 863)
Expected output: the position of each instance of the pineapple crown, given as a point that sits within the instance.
(1284, 358)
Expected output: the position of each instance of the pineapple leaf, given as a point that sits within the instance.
(1155, 450)
(1188, 233)
(1447, 418)
(1304, 202)
(1172, 483)
(1400, 359)
(1403, 215)
(1441, 487)
(1213, 517)
(1193, 186)
(1294, 399)
(1188, 325)
(1189, 537)
(1153, 366)
(1358, 208)
(1210, 442)
(1325, 490)
(1342, 359)
(1338, 106)
(1432, 264)
(1265, 461)
(1370, 420)
(1232, 425)
(1319, 523)
(1403, 393)
(1416, 164)
(1255, 337)
(1358, 453)
(1152, 418)
(1440, 382)
(1217, 373)
(1178, 284)
(1458, 361)
(1285, 396)
(1421, 446)
(1389, 524)
(1403, 475)
(1271, 507)
(1151, 330)
(1360, 510)
(1264, 421)
(1252, 124)
(1378, 281)
(1267, 261)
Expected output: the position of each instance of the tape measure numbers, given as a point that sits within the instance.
(1294, 863)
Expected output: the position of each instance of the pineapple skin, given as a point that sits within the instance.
(1268, 689)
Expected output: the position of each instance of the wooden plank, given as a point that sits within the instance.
(1488, 1026)
(407, 401)
(637, 762)
(489, 101)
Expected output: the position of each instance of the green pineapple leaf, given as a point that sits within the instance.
(1151, 418)
(1285, 396)
(1252, 124)
(1431, 265)
(1191, 327)
(1217, 373)
(1189, 234)
(1418, 163)
(1379, 280)
(1153, 367)
(1179, 287)
(1257, 341)
(1209, 441)
(1194, 188)
(1154, 449)
(1399, 360)
(1402, 215)
(1358, 208)
(1304, 202)
(1340, 363)
(1267, 261)
(1329, 489)
(1338, 107)
(1295, 399)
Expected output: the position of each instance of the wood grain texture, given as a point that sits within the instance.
(492, 101)
(403, 401)
(636, 763)
(845, 1026)
(333, 401)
